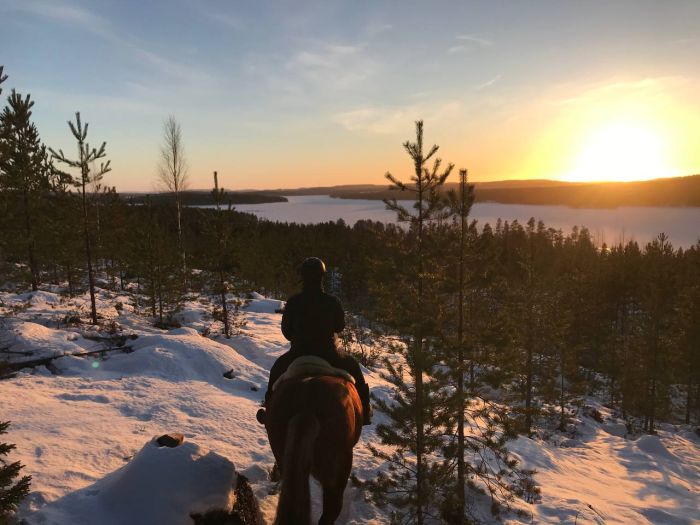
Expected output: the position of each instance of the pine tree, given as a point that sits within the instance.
(688, 329)
(12, 490)
(223, 262)
(155, 259)
(460, 204)
(658, 297)
(86, 157)
(26, 171)
(412, 484)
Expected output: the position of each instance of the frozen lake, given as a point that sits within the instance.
(682, 225)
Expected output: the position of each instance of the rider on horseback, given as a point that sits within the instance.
(310, 321)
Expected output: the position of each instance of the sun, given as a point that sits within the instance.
(621, 151)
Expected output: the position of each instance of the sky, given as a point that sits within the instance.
(284, 94)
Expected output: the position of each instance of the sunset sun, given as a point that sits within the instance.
(621, 151)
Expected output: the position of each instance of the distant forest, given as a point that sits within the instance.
(671, 192)
(202, 198)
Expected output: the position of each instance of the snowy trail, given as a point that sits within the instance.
(83, 432)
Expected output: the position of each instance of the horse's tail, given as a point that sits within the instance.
(294, 507)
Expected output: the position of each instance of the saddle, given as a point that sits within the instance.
(311, 365)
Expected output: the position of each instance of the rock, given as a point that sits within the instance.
(246, 504)
(245, 511)
(230, 374)
(171, 440)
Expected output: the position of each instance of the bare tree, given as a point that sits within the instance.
(172, 172)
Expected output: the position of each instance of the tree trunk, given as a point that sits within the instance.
(69, 277)
(562, 393)
(461, 470)
(420, 482)
(180, 244)
(88, 254)
(30, 242)
(688, 398)
(224, 306)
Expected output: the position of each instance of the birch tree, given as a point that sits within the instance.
(173, 173)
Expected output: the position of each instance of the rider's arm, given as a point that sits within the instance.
(338, 317)
(287, 323)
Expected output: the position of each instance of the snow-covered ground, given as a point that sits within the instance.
(83, 427)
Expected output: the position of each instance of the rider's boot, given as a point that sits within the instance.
(260, 415)
(262, 412)
(363, 391)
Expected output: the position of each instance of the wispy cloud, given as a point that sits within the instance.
(390, 120)
(467, 42)
(378, 28)
(225, 18)
(315, 68)
(97, 25)
(617, 89)
(95, 102)
(54, 10)
(488, 83)
(474, 40)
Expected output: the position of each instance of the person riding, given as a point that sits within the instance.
(310, 321)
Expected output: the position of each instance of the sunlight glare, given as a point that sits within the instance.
(621, 152)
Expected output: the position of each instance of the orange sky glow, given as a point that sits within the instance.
(276, 95)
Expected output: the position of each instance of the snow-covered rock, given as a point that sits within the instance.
(160, 485)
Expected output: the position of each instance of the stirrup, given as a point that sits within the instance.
(261, 415)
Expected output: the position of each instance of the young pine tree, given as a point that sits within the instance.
(26, 173)
(222, 261)
(12, 490)
(86, 158)
(413, 480)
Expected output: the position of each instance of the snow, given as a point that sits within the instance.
(84, 428)
(188, 478)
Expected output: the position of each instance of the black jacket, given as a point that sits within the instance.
(310, 321)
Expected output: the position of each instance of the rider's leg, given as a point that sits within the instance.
(349, 364)
(278, 368)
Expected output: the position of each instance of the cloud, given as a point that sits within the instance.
(488, 83)
(99, 26)
(474, 40)
(87, 102)
(321, 68)
(391, 120)
(377, 28)
(617, 89)
(56, 11)
(226, 19)
(467, 42)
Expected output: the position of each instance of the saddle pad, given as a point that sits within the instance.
(310, 365)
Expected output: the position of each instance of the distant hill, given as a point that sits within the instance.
(204, 198)
(673, 192)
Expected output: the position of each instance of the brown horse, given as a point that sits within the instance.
(312, 424)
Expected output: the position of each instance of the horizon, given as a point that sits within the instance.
(277, 96)
(566, 182)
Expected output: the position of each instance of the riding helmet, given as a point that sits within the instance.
(312, 269)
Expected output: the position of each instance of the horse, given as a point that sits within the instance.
(313, 423)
